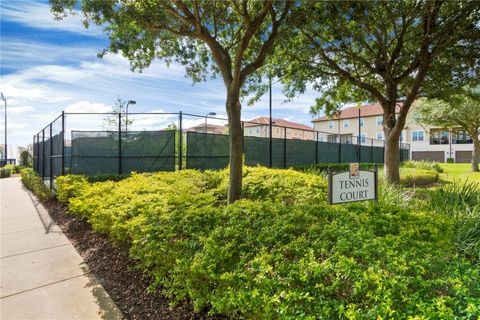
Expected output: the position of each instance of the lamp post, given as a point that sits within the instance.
(359, 138)
(5, 101)
(270, 120)
(206, 117)
(129, 102)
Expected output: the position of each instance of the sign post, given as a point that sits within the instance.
(353, 185)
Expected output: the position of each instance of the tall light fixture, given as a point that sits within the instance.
(129, 102)
(206, 117)
(5, 101)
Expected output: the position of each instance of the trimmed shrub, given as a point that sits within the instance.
(13, 168)
(320, 168)
(5, 172)
(423, 164)
(34, 182)
(411, 177)
(281, 253)
(69, 186)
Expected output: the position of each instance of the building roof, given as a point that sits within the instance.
(366, 110)
(210, 126)
(277, 122)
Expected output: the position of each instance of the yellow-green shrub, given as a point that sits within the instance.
(410, 177)
(35, 183)
(69, 186)
(282, 252)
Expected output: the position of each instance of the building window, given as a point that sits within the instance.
(258, 130)
(379, 135)
(363, 138)
(379, 120)
(418, 135)
(249, 131)
(332, 138)
(362, 122)
(346, 139)
(346, 124)
(461, 137)
(402, 136)
(320, 139)
(438, 136)
(331, 125)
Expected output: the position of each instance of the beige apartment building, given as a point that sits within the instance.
(259, 127)
(426, 143)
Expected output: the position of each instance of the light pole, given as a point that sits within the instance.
(5, 101)
(270, 120)
(359, 138)
(206, 117)
(129, 102)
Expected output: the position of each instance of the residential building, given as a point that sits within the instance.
(259, 127)
(426, 142)
(210, 128)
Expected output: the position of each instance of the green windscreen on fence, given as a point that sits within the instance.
(207, 151)
(300, 152)
(148, 151)
(257, 152)
(328, 152)
(99, 152)
(94, 152)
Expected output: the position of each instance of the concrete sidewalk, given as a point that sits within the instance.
(42, 275)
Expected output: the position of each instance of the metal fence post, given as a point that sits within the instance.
(316, 147)
(119, 143)
(383, 153)
(243, 137)
(180, 149)
(33, 155)
(285, 148)
(371, 151)
(339, 149)
(51, 158)
(38, 153)
(63, 143)
(43, 154)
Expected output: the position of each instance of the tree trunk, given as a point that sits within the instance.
(236, 146)
(392, 157)
(475, 153)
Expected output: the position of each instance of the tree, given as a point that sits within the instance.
(383, 51)
(25, 159)
(460, 110)
(228, 38)
(110, 123)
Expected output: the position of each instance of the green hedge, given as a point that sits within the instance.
(281, 252)
(411, 177)
(335, 167)
(423, 164)
(5, 172)
(35, 183)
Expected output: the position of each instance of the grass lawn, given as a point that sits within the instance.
(458, 171)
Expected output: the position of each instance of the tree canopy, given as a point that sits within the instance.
(210, 37)
(385, 51)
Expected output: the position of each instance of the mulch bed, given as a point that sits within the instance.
(112, 267)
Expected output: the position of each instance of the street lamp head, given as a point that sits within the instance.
(132, 102)
(3, 97)
(211, 114)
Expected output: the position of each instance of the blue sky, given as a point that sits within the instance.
(48, 66)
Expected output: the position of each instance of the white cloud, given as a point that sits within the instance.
(85, 107)
(38, 15)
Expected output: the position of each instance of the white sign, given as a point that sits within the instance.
(344, 187)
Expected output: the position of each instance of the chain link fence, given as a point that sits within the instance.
(116, 143)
